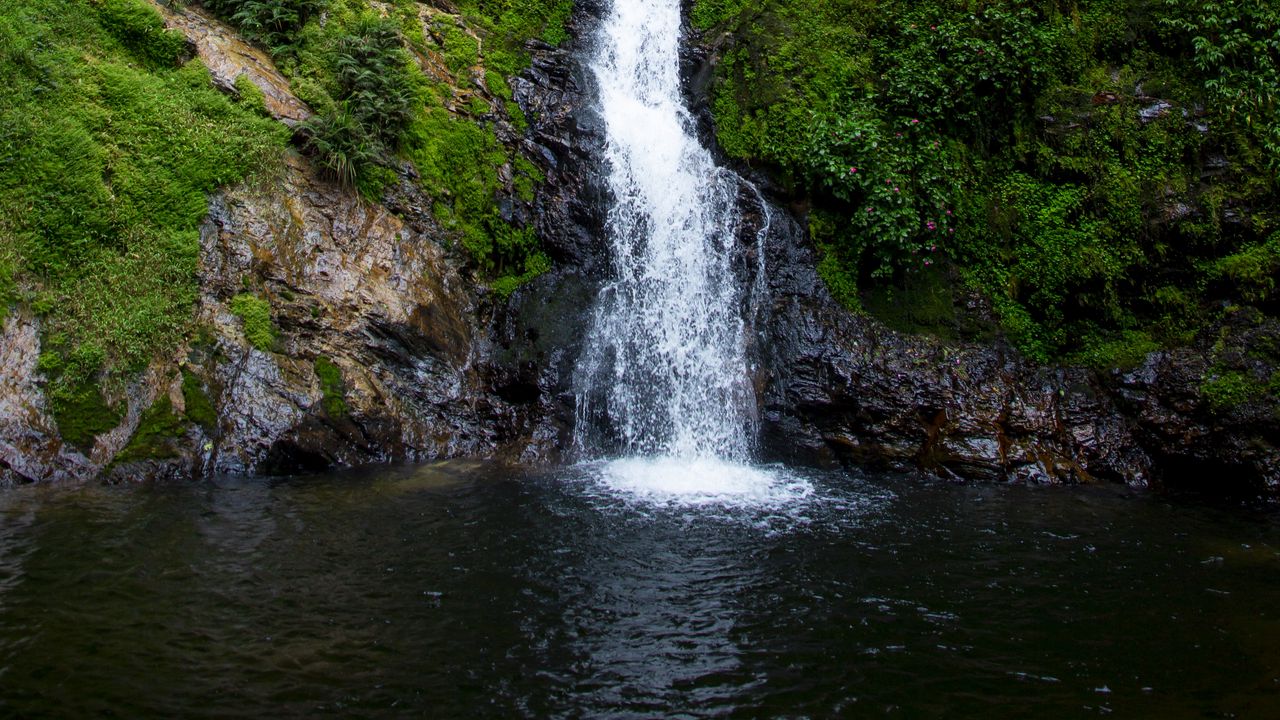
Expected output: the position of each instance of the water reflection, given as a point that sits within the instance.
(480, 591)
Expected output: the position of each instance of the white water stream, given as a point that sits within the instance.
(665, 377)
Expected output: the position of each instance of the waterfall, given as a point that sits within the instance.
(665, 370)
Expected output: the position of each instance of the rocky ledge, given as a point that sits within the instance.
(382, 346)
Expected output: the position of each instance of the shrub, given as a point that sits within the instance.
(1236, 45)
(274, 23)
(895, 180)
(371, 107)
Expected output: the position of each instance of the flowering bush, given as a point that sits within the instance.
(897, 180)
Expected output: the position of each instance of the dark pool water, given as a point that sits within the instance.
(475, 591)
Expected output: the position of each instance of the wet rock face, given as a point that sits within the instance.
(30, 448)
(537, 336)
(843, 389)
(350, 286)
(228, 57)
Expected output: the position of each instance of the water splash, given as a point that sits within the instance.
(666, 370)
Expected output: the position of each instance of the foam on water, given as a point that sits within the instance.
(674, 481)
(666, 375)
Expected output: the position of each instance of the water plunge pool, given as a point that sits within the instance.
(625, 590)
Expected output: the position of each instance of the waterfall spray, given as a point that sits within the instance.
(665, 370)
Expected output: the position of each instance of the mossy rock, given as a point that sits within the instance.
(333, 387)
(158, 429)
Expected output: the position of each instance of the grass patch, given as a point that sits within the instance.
(332, 387)
(108, 150)
(255, 317)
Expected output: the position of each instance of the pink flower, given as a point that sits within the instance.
(915, 121)
(895, 189)
(853, 170)
(948, 212)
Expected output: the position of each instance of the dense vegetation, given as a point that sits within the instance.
(109, 144)
(1104, 172)
(112, 137)
(381, 97)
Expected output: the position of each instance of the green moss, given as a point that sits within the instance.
(332, 387)
(250, 95)
(923, 304)
(140, 28)
(81, 413)
(1227, 389)
(255, 314)
(157, 429)
(534, 265)
(198, 408)
(459, 162)
(508, 24)
(9, 270)
(107, 154)
(1129, 350)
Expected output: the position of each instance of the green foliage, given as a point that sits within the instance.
(82, 414)
(1127, 350)
(199, 409)
(341, 145)
(1236, 45)
(459, 163)
(374, 107)
(894, 179)
(250, 95)
(141, 29)
(1227, 389)
(106, 160)
(509, 23)
(274, 23)
(9, 271)
(371, 69)
(1252, 271)
(158, 427)
(834, 266)
(922, 304)
(1041, 166)
(255, 314)
(75, 397)
(332, 387)
(371, 103)
(535, 263)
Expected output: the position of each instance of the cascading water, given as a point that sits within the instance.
(665, 375)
